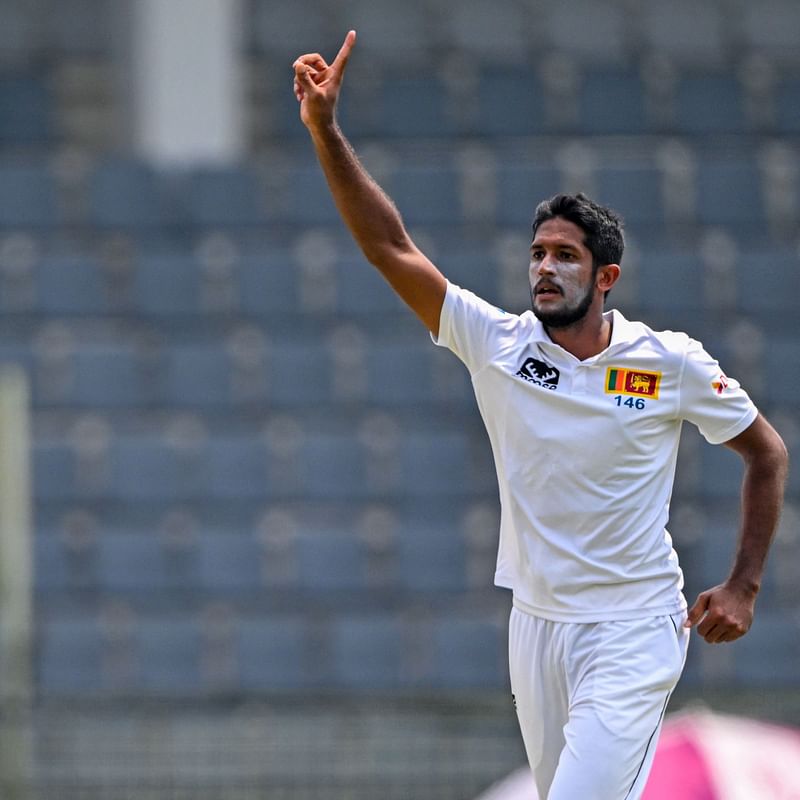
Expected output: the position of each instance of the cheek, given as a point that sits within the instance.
(570, 276)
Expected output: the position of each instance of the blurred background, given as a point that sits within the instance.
(254, 556)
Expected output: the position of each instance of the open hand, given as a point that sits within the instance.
(317, 84)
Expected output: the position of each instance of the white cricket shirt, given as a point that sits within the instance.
(585, 454)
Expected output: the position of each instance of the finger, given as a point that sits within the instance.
(696, 612)
(304, 76)
(314, 60)
(342, 57)
(714, 635)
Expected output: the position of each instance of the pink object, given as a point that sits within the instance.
(705, 756)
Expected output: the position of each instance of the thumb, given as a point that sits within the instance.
(696, 612)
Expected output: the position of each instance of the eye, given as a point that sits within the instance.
(537, 255)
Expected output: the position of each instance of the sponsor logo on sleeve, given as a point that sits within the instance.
(539, 373)
(721, 383)
(634, 382)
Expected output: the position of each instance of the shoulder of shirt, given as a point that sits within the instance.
(638, 333)
(502, 316)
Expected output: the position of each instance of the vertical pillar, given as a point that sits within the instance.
(186, 97)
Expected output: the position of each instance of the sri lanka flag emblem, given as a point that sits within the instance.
(635, 382)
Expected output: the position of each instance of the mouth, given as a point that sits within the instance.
(544, 290)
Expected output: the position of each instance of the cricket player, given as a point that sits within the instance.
(583, 409)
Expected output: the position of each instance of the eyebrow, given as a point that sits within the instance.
(560, 246)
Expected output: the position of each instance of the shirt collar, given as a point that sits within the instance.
(623, 332)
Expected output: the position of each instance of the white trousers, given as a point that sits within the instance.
(591, 698)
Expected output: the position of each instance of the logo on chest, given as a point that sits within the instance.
(539, 373)
(633, 382)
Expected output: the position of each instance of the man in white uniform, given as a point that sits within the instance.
(583, 410)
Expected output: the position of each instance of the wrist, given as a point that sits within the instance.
(323, 128)
(745, 585)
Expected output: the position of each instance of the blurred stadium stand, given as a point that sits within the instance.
(255, 478)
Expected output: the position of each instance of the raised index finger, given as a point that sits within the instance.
(340, 62)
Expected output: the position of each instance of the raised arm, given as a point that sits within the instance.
(371, 216)
(725, 612)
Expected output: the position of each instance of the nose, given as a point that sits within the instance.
(543, 266)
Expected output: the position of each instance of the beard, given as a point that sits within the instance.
(564, 317)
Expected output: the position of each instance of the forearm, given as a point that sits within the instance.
(762, 499)
(368, 212)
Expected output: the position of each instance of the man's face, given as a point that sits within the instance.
(561, 274)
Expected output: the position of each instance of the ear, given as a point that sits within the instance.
(607, 276)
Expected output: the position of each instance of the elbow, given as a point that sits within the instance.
(774, 460)
(379, 254)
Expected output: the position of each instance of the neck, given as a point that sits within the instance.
(585, 338)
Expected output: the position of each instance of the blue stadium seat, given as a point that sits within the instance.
(709, 103)
(771, 27)
(149, 468)
(50, 570)
(634, 189)
(277, 652)
(83, 29)
(782, 370)
(268, 283)
(431, 558)
(53, 470)
(768, 281)
(435, 463)
(488, 31)
(721, 471)
(389, 33)
(729, 192)
(229, 562)
(474, 266)
(400, 374)
(286, 28)
(521, 186)
(768, 656)
(330, 560)
(367, 652)
(672, 280)
(426, 194)
(132, 562)
(197, 375)
(238, 467)
(361, 289)
(592, 30)
(108, 376)
(169, 655)
(26, 110)
(71, 286)
(15, 355)
(611, 101)
(686, 32)
(305, 196)
(70, 655)
(787, 105)
(28, 195)
(167, 284)
(300, 374)
(414, 107)
(224, 196)
(469, 653)
(129, 194)
(334, 466)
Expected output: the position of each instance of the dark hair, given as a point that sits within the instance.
(602, 226)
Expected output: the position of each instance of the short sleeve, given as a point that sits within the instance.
(712, 401)
(476, 331)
